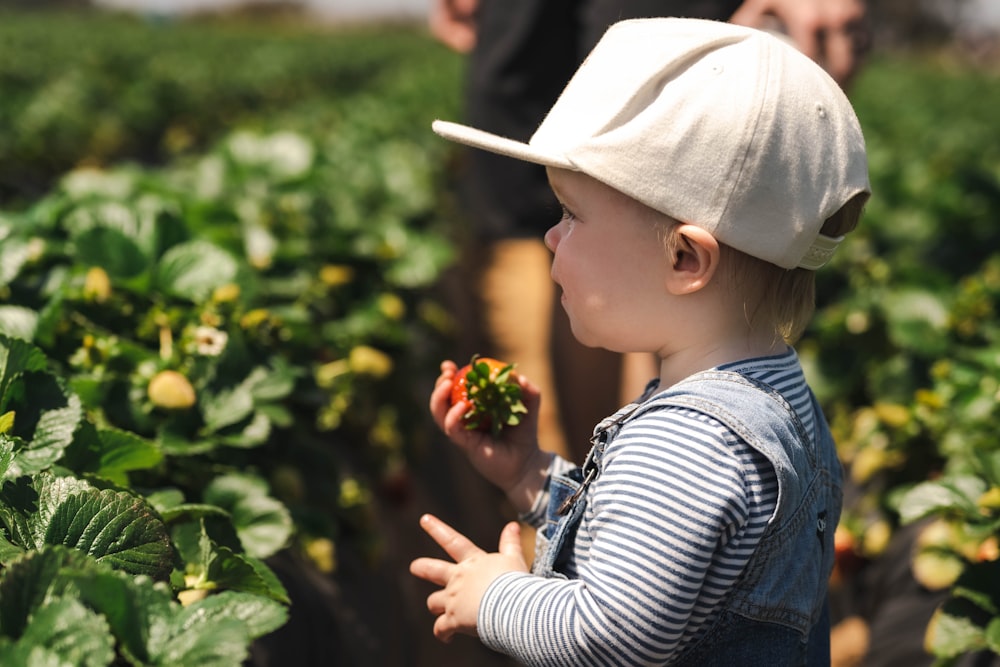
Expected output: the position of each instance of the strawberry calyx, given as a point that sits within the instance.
(491, 389)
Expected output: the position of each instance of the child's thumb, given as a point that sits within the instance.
(510, 540)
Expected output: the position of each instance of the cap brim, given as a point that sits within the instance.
(493, 143)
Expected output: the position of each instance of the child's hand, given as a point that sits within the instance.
(464, 582)
(512, 461)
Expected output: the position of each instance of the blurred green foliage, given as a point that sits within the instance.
(93, 89)
(905, 349)
(210, 320)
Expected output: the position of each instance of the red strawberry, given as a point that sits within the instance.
(493, 393)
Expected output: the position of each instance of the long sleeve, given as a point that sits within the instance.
(671, 521)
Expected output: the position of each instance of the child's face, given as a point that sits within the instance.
(610, 263)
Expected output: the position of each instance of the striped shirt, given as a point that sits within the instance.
(671, 522)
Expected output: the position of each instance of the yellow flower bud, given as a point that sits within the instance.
(391, 306)
(892, 414)
(226, 293)
(366, 360)
(97, 285)
(323, 553)
(334, 275)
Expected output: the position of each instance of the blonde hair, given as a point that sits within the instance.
(784, 299)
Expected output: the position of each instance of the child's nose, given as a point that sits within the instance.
(552, 237)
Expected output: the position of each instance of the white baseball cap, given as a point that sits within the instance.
(724, 127)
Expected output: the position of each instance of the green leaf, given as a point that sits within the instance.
(59, 414)
(8, 552)
(18, 322)
(917, 319)
(262, 523)
(72, 632)
(28, 656)
(7, 446)
(993, 635)
(955, 494)
(194, 269)
(110, 453)
(227, 408)
(38, 576)
(260, 615)
(18, 499)
(272, 384)
(229, 570)
(224, 643)
(115, 527)
(14, 253)
(956, 628)
(138, 611)
(111, 250)
(17, 357)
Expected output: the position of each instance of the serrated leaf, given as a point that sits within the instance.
(192, 512)
(992, 635)
(253, 434)
(18, 499)
(232, 571)
(272, 384)
(14, 253)
(17, 357)
(959, 493)
(263, 524)
(28, 582)
(52, 491)
(9, 551)
(54, 429)
(28, 656)
(193, 270)
(124, 451)
(7, 446)
(197, 540)
(110, 453)
(72, 632)
(111, 250)
(227, 408)
(224, 643)
(18, 322)
(955, 630)
(115, 527)
(139, 612)
(259, 615)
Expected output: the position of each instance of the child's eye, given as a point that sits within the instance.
(567, 214)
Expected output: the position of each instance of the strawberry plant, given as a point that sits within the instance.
(903, 352)
(93, 570)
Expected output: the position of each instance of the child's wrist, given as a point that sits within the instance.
(524, 491)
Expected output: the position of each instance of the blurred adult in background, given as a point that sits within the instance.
(521, 55)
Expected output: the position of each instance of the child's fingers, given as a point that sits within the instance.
(444, 629)
(510, 540)
(455, 544)
(437, 602)
(433, 570)
(448, 369)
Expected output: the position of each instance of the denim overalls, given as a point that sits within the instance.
(777, 615)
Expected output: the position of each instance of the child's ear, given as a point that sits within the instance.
(694, 261)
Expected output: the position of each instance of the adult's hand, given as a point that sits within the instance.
(453, 23)
(834, 33)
